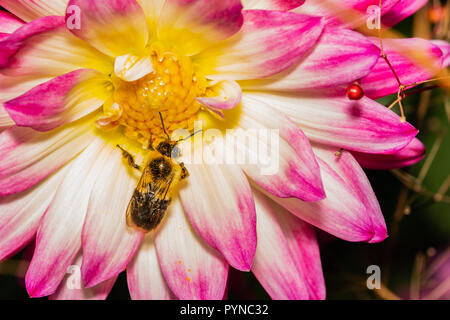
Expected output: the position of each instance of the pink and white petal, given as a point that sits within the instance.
(445, 48)
(71, 288)
(192, 269)
(284, 5)
(340, 57)
(293, 170)
(402, 10)
(58, 239)
(108, 243)
(381, 81)
(191, 26)
(287, 254)
(20, 214)
(9, 23)
(341, 213)
(351, 172)
(131, 68)
(333, 119)
(408, 156)
(29, 10)
(115, 27)
(345, 13)
(229, 95)
(5, 119)
(29, 156)
(32, 55)
(59, 101)
(12, 44)
(144, 275)
(268, 43)
(226, 220)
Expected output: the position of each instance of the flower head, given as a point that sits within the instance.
(82, 77)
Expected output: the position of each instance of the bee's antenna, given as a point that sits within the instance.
(163, 126)
(189, 136)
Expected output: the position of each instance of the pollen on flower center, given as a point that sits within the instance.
(172, 89)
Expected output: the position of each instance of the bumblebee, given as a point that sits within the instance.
(160, 178)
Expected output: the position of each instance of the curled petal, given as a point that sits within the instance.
(402, 10)
(59, 101)
(228, 95)
(108, 244)
(20, 214)
(287, 261)
(339, 57)
(72, 288)
(144, 275)
(226, 222)
(131, 68)
(30, 156)
(114, 27)
(269, 42)
(293, 171)
(333, 119)
(30, 10)
(411, 154)
(381, 81)
(192, 269)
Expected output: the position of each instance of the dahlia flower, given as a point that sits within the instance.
(80, 77)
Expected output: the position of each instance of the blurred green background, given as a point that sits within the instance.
(414, 236)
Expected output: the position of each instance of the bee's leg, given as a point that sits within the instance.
(150, 143)
(129, 158)
(184, 171)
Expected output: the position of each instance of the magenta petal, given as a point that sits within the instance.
(29, 10)
(287, 261)
(108, 244)
(56, 248)
(227, 222)
(21, 213)
(13, 43)
(340, 57)
(284, 5)
(192, 269)
(72, 288)
(342, 213)
(333, 119)
(269, 42)
(9, 23)
(381, 81)
(402, 10)
(293, 171)
(144, 275)
(29, 156)
(349, 169)
(411, 154)
(445, 48)
(336, 15)
(58, 101)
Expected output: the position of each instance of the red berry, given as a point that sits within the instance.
(355, 92)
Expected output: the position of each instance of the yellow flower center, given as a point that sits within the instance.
(171, 89)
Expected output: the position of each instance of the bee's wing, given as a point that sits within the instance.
(149, 202)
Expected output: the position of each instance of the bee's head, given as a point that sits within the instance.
(168, 148)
